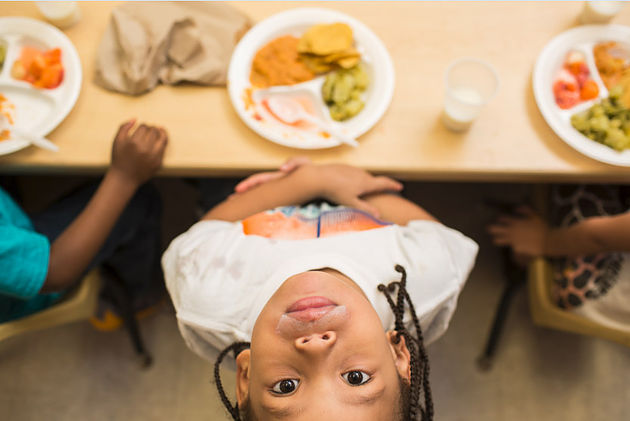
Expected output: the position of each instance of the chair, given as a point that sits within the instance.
(80, 304)
(545, 313)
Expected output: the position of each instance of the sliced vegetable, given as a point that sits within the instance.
(42, 69)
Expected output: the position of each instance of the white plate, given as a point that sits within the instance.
(549, 61)
(374, 57)
(37, 111)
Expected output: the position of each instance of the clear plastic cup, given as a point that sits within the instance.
(470, 84)
(62, 14)
(600, 11)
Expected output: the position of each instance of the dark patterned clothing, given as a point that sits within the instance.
(593, 285)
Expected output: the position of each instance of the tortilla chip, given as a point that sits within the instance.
(316, 64)
(348, 62)
(331, 58)
(326, 39)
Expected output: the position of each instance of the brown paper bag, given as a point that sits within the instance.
(147, 43)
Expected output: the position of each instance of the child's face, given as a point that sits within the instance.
(326, 355)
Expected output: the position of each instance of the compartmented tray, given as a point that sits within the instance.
(550, 60)
(36, 111)
(247, 101)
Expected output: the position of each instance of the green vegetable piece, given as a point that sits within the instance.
(328, 87)
(342, 92)
(616, 92)
(337, 112)
(343, 88)
(361, 77)
(353, 107)
(616, 139)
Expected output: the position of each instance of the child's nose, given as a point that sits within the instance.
(317, 342)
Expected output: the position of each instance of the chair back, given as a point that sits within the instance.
(546, 313)
(79, 304)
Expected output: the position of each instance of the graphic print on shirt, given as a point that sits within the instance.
(299, 223)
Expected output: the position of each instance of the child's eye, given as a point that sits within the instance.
(285, 387)
(356, 377)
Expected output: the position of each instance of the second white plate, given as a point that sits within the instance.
(549, 61)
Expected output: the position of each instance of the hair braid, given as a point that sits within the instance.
(419, 361)
(428, 400)
(237, 347)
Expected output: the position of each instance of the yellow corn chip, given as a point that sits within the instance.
(316, 64)
(348, 62)
(331, 58)
(326, 39)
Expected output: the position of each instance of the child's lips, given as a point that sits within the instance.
(310, 309)
(315, 319)
(311, 314)
(310, 302)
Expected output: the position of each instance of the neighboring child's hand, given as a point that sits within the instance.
(346, 185)
(138, 156)
(264, 177)
(526, 234)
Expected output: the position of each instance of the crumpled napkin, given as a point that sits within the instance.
(147, 43)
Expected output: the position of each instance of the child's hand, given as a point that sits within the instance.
(345, 185)
(527, 235)
(138, 156)
(263, 177)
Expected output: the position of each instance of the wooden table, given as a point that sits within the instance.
(509, 142)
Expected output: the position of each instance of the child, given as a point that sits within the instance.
(312, 300)
(116, 224)
(589, 248)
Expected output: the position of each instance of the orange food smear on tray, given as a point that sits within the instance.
(325, 135)
(279, 63)
(247, 98)
(6, 109)
(42, 69)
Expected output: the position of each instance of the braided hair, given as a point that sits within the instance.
(419, 361)
(410, 402)
(237, 347)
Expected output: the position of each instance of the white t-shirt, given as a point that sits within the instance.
(220, 278)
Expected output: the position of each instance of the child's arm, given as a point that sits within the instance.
(340, 184)
(398, 210)
(135, 158)
(531, 236)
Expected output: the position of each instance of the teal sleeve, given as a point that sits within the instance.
(24, 258)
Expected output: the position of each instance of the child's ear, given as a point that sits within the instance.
(242, 377)
(401, 355)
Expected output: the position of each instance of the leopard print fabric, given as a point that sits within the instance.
(585, 277)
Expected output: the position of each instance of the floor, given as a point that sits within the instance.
(75, 373)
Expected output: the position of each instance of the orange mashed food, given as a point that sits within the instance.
(279, 63)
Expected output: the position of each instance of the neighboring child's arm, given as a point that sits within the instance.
(340, 184)
(531, 236)
(135, 159)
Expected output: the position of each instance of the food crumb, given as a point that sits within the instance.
(247, 98)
